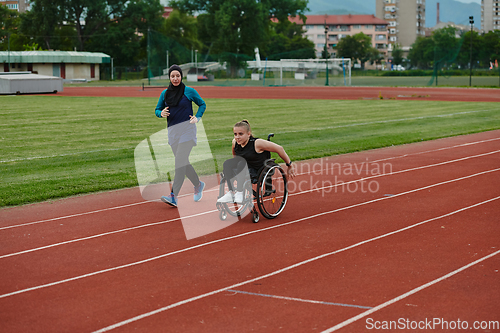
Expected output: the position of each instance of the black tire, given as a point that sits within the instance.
(255, 216)
(272, 191)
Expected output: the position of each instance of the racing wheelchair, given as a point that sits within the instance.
(270, 193)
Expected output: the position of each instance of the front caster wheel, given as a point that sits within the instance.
(255, 217)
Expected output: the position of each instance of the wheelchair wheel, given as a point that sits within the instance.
(255, 216)
(272, 191)
(237, 209)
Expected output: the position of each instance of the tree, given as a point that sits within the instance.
(51, 22)
(447, 46)
(42, 22)
(491, 46)
(183, 29)
(357, 47)
(121, 38)
(421, 54)
(463, 58)
(238, 27)
(397, 55)
(9, 21)
(286, 41)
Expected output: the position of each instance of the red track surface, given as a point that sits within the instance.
(340, 255)
(431, 94)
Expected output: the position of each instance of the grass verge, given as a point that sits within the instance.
(53, 147)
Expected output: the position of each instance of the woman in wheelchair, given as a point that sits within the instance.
(251, 152)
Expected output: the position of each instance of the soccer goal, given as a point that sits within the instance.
(314, 72)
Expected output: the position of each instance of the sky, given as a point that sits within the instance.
(469, 1)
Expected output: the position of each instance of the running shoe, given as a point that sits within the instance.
(198, 191)
(228, 197)
(238, 197)
(170, 200)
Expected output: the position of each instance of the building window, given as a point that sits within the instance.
(356, 26)
(381, 37)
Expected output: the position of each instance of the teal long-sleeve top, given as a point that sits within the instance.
(184, 109)
(179, 128)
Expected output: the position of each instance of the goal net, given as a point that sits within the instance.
(313, 72)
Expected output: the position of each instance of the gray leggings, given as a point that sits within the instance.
(182, 166)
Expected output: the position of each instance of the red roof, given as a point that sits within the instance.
(340, 19)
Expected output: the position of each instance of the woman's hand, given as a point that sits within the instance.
(193, 120)
(290, 171)
(165, 113)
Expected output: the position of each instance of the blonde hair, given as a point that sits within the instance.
(244, 123)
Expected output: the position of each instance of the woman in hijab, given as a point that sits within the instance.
(176, 105)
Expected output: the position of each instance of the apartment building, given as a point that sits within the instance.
(490, 15)
(406, 19)
(340, 26)
(19, 5)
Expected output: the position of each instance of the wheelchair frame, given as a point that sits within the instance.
(261, 194)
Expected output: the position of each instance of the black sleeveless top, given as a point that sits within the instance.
(254, 160)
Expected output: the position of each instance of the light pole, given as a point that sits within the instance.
(326, 53)
(471, 21)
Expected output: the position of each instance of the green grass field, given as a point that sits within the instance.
(53, 147)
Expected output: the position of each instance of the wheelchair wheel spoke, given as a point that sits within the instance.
(272, 191)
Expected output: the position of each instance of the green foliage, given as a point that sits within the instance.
(114, 27)
(445, 49)
(32, 47)
(81, 145)
(9, 21)
(42, 22)
(397, 55)
(238, 27)
(357, 47)
(286, 41)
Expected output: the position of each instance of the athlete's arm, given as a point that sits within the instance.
(264, 145)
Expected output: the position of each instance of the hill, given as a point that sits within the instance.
(450, 10)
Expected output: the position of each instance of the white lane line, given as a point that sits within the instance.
(435, 150)
(409, 293)
(299, 299)
(144, 202)
(104, 234)
(396, 172)
(316, 189)
(195, 298)
(241, 235)
(73, 215)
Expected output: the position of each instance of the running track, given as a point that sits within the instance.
(400, 93)
(420, 242)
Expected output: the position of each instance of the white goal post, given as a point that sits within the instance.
(334, 71)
